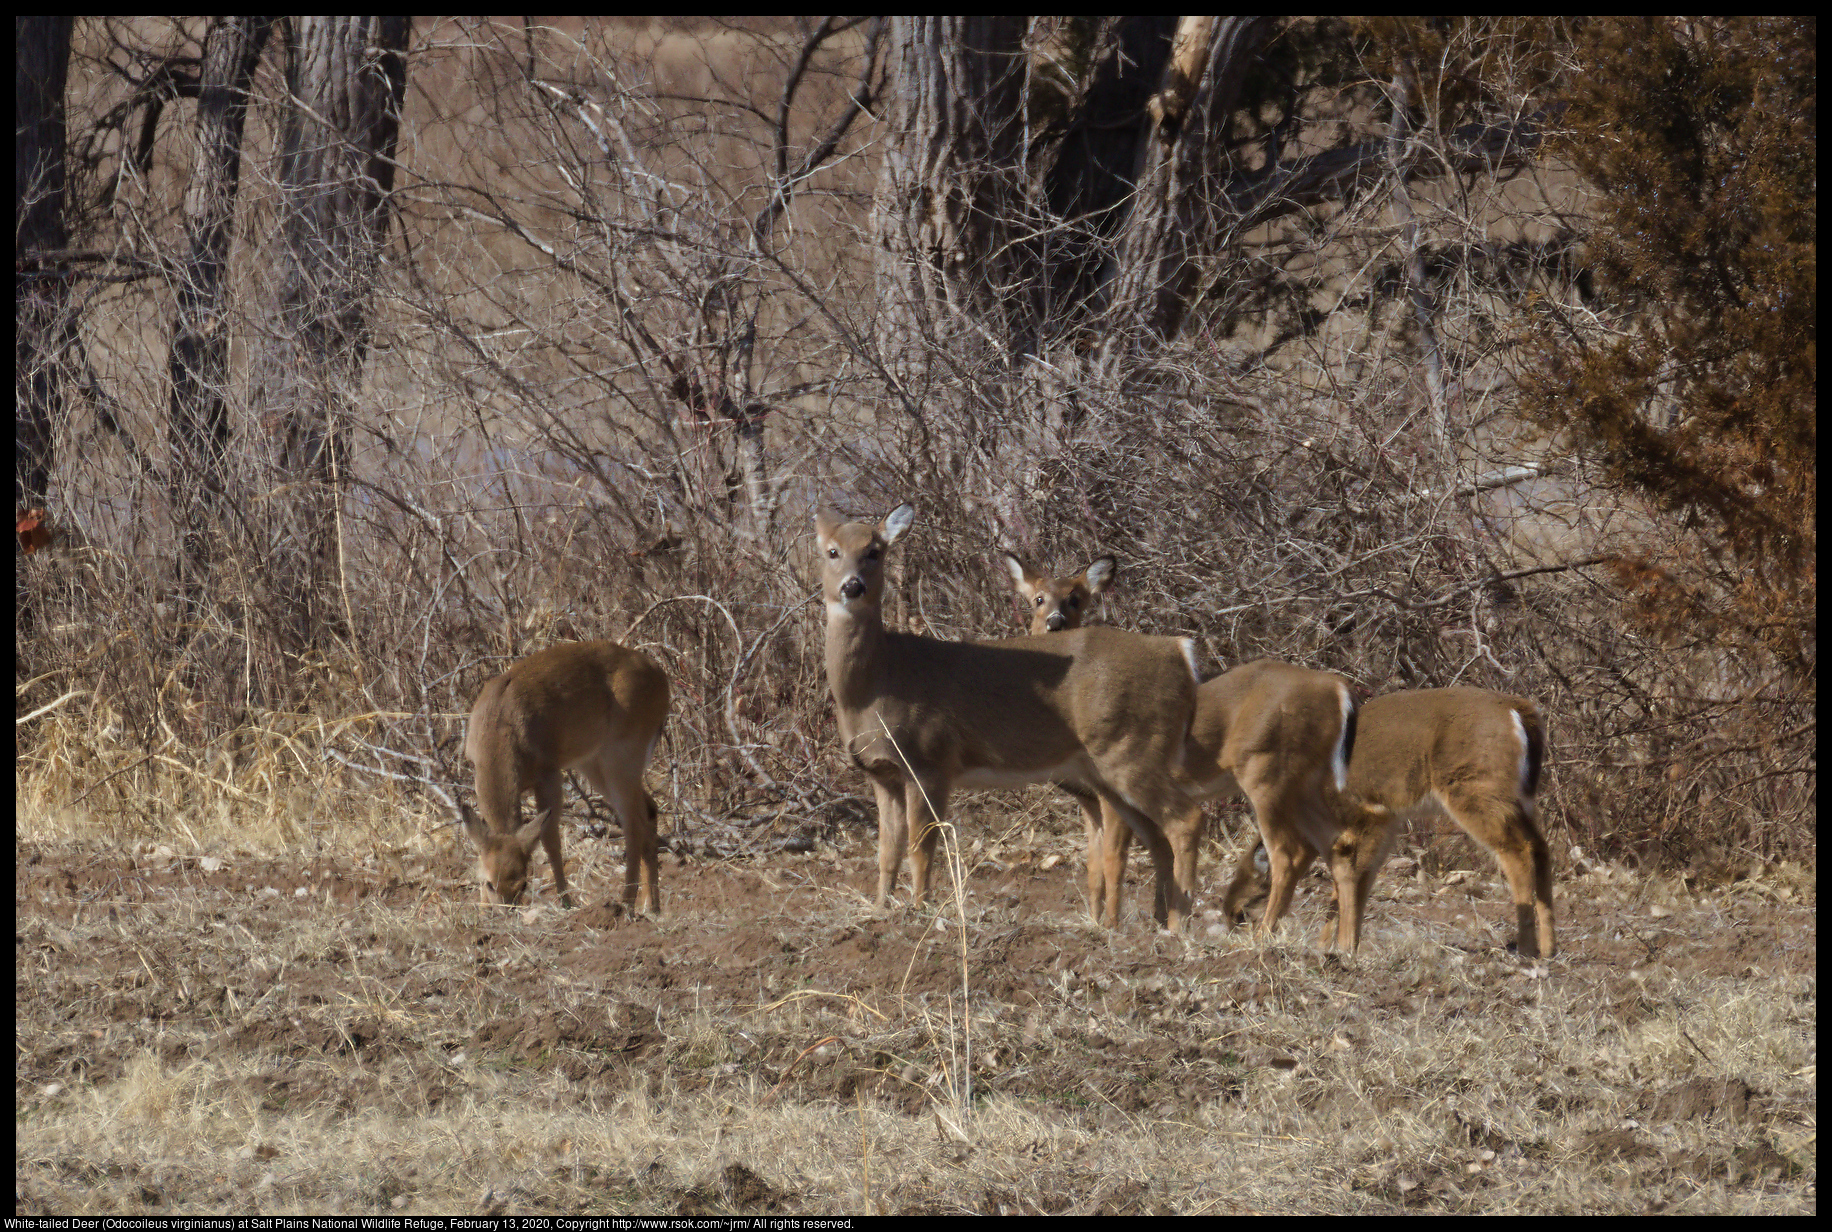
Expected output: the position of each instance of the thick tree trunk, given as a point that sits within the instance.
(951, 194)
(1088, 185)
(199, 433)
(348, 75)
(987, 261)
(1182, 176)
(41, 293)
(975, 245)
(957, 288)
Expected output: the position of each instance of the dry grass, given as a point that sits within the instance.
(251, 972)
(351, 1032)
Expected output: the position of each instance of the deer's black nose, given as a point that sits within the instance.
(852, 588)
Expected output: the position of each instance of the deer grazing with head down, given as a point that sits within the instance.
(594, 707)
(1104, 710)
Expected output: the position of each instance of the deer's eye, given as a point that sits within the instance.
(833, 553)
(1074, 600)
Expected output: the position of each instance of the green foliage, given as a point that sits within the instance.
(1701, 139)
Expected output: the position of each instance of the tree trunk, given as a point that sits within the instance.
(956, 286)
(1088, 184)
(982, 255)
(348, 76)
(1181, 176)
(1028, 280)
(199, 433)
(1418, 285)
(40, 291)
(950, 194)
(1118, 215)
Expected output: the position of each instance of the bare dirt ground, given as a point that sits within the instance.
(230, 1033)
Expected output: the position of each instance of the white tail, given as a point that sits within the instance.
(594, 707)
(1283, 736)
(1469, 753)
(1105, 710)
(1275, 733)
(1280, 736)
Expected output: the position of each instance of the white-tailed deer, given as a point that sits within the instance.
(1105, 710)
(1058, 604)
(594, 707)
(1469, 753)
(1277, 734)
(1281, 736)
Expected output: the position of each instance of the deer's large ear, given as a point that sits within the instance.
(1099, 575)
(896, 522)
(1020, 572)
(826, 521)
(473, 825)
(529, 835)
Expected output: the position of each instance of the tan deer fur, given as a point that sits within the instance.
(593, 707)
(1106, 710)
